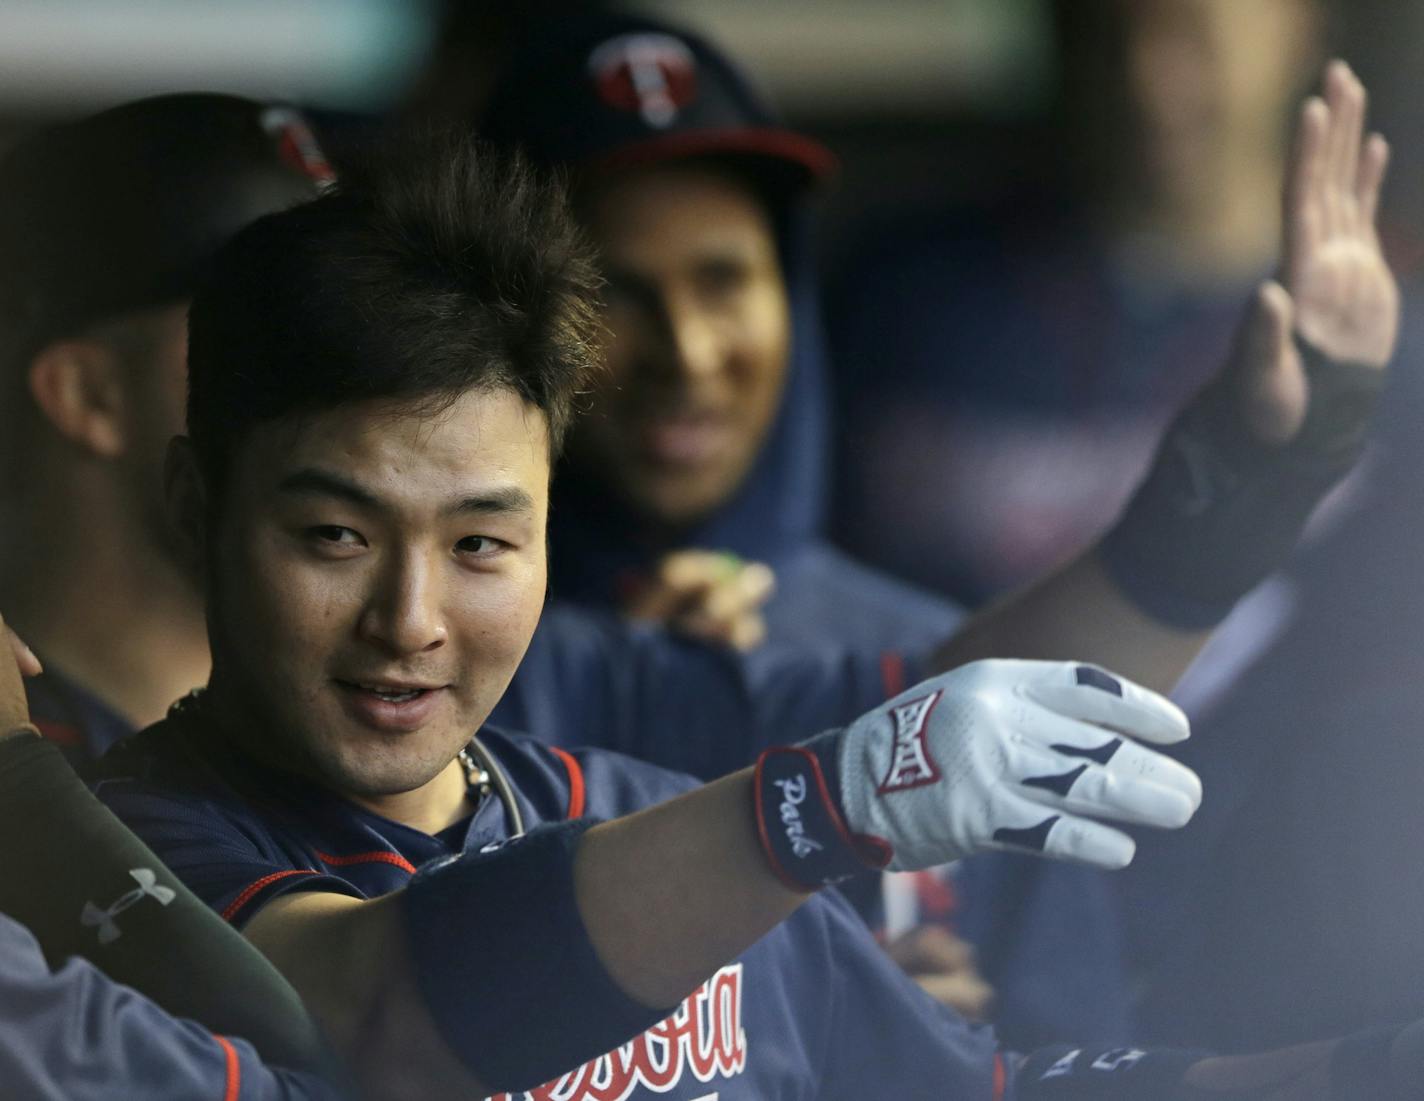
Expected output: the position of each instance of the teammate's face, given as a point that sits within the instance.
(699, 333)
(375, 577)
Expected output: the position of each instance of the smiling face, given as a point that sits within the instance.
(699, 335)
(375, 575)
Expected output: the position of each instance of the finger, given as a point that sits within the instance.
(1336, 95)
(965, 992)
(29, 664)
(930, 948)
(680, 581)
(1272, 380)
(1026, 828)
(1304, 215)
(745, 590)
(1164, 797)
(1091, 694)
(747, 633)
(1064, 837)
(1374, 162)
(1349, 109)
(1071, 744)
(1302, 202)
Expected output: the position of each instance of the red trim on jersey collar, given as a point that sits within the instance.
(576, 788)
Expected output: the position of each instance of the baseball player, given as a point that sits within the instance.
(379, 381)
(106, 225)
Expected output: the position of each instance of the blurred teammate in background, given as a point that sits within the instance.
(106, 226)
(1031, 350)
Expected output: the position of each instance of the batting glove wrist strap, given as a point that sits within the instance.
(799, 822)
(500, 951)
(1220, 509)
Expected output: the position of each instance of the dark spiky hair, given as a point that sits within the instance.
(435, 267)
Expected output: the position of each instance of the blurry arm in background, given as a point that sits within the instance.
(1255, 421)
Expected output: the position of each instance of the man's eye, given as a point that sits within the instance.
(480, 546)
(335, 533)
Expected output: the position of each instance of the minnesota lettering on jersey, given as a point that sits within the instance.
(703, 1039)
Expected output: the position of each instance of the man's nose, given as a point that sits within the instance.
(405, 613)
(695, 343)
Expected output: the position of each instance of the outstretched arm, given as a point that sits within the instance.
(1239, 473)
(1000, 755)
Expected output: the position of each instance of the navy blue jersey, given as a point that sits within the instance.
(814, 1009)
(76, 1034)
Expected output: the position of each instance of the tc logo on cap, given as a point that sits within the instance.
(653, 74)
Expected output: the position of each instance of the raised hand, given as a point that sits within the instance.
(1246, 462)
(1335, 290)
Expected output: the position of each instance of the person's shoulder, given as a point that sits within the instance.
(573, 782)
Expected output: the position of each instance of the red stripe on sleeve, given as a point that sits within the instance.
(379, 856)
(60, 733)
(233, 1084)
(235, 906)
(575, 771)
(892, 673)
(999, 1077)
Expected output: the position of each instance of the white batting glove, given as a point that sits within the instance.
(1017, 756)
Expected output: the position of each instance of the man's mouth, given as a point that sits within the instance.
(393, 695)
(685, 438)
(393, 706)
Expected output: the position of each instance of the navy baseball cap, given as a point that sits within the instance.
(603, 92)
(123, 210)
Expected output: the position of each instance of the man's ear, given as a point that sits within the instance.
(78, 386)
(186, 497)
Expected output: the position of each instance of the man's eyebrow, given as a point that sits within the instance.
(310, 481)
(321, 483)
(504, 499)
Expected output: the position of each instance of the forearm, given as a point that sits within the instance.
(672, 893)
(1076, 613)
(85, 885)
(661, 898)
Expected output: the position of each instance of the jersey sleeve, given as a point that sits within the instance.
(74, 1033)
(589, 679)
(886, 1037)
(220, 850)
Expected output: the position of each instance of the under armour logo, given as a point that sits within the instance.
(911, 765)
(147, 881)
(653, 74)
